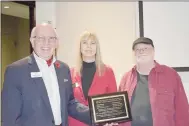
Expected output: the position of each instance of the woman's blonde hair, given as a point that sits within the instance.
(86, 35)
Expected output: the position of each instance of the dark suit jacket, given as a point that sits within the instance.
(25, 101)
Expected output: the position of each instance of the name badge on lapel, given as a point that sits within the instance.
(65, 80)
(36, 74)
(75, 85)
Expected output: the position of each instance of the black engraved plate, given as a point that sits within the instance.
(107, 108)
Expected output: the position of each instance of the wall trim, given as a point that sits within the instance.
(141, 20)
(27, 3)
(181, 69)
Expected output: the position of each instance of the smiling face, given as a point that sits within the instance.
(44, 41)
(88, 47)
(144, 53)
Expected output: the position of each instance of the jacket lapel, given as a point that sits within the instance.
(78, 78)
(60, 80)
(38, 81)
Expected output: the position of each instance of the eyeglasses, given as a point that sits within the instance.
(43, 39)
(142, 49)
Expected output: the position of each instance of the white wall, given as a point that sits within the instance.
(116, 30)
(185, 80)
(113, 22)
(45, 12)
(167, 24)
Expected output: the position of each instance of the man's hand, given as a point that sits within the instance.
(111, 124)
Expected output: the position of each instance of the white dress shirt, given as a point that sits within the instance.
(50, 79)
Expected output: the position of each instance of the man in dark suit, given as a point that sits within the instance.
(37, 90)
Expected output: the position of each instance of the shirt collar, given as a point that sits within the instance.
(157, 67)
(38, 59)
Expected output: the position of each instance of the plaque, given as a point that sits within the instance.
(108, 108)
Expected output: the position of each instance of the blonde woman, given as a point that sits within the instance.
(91, 76)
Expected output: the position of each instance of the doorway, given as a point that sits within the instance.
(17, 21)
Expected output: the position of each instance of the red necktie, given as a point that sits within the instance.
(49, 61)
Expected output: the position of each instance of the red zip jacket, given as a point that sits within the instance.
(100, 85)
(168, 99)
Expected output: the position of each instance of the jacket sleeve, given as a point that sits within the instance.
(122, 84)
(122, 88)
(75, 109)
(11, 99)
(112, 87)
(181, 104)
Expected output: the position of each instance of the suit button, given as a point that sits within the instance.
(53, 122)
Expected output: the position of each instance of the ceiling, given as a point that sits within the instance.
(15, 9)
